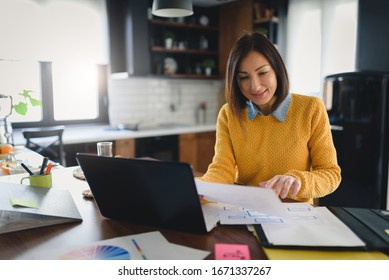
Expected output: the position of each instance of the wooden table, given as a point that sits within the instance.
(94, 228)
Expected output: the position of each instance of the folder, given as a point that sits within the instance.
(24, 207)
(301, 254)
(369, 225)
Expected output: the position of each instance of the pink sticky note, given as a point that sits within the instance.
(232, 252)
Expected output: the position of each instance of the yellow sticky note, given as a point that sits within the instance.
(24, 203)
(387, 231)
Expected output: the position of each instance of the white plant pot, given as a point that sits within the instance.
(168, 43)
(208, 71)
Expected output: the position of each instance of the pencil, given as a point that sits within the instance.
(139, 249)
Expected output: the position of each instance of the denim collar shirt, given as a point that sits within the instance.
(279, 113)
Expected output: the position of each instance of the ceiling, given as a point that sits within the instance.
(210, 3)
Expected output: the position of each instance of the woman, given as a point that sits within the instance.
(267, 137)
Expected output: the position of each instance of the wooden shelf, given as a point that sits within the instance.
(266, 20)
(188, 76)
(183, 25)
(184, 51)
(193, 44)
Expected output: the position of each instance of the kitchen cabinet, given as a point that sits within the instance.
(125, 147)
(160, 147)
(372, 23)
(265, 19)
(269, 18)
(197, 149)
(138, 45)
(181, 48)
(234, 17)
(122, 147)
(264, 16)
(128, 37)
(71, 151)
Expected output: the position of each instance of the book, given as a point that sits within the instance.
(24, 207)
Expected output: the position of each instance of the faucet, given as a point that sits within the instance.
(201, 113)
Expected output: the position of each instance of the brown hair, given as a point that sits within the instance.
(251, 41)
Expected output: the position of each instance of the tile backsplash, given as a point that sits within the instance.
(153, 100)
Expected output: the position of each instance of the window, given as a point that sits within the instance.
(13, 74)
(321, 40)
(58, 49)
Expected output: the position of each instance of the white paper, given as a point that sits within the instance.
(311, 226)
(261, 200)
(236, 215)
(150, 246)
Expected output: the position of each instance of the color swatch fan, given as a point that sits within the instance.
(99, 252)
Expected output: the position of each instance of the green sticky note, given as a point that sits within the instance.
(24, 203)
(387, 231)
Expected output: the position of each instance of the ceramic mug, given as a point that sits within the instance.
(39, 180)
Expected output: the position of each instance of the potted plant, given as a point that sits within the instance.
(22, 106)
(169, 38)
(208, 65)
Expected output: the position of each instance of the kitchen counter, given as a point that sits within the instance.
(96, 133)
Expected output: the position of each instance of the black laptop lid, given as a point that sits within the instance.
(149, 192)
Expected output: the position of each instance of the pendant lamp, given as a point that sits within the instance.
(172, 8)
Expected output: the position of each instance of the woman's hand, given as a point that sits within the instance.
(282, 185)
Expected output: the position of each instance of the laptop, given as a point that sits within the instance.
(149, 192)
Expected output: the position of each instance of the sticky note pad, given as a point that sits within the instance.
(232, 252)
(24, 203)
(387, 231)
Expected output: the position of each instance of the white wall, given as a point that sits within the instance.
(163, 100)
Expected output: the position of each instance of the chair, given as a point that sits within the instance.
(47, 142)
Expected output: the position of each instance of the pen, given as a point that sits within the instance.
(48, 169)
(26, 168)
(45, 160)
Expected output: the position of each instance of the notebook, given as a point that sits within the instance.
(150, 192)
(24, 207)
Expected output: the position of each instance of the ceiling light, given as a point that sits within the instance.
(172, 8)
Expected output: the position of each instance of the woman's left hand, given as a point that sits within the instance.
(282, 185)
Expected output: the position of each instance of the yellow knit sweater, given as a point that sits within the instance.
(301, 146)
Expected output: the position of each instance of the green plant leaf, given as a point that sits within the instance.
(20, 108)
(26, 93)
(35, 102)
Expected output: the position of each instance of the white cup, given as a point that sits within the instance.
(104, 149)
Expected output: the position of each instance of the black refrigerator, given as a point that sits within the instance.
(358, 108)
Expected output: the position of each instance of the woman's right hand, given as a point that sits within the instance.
(283, 185)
